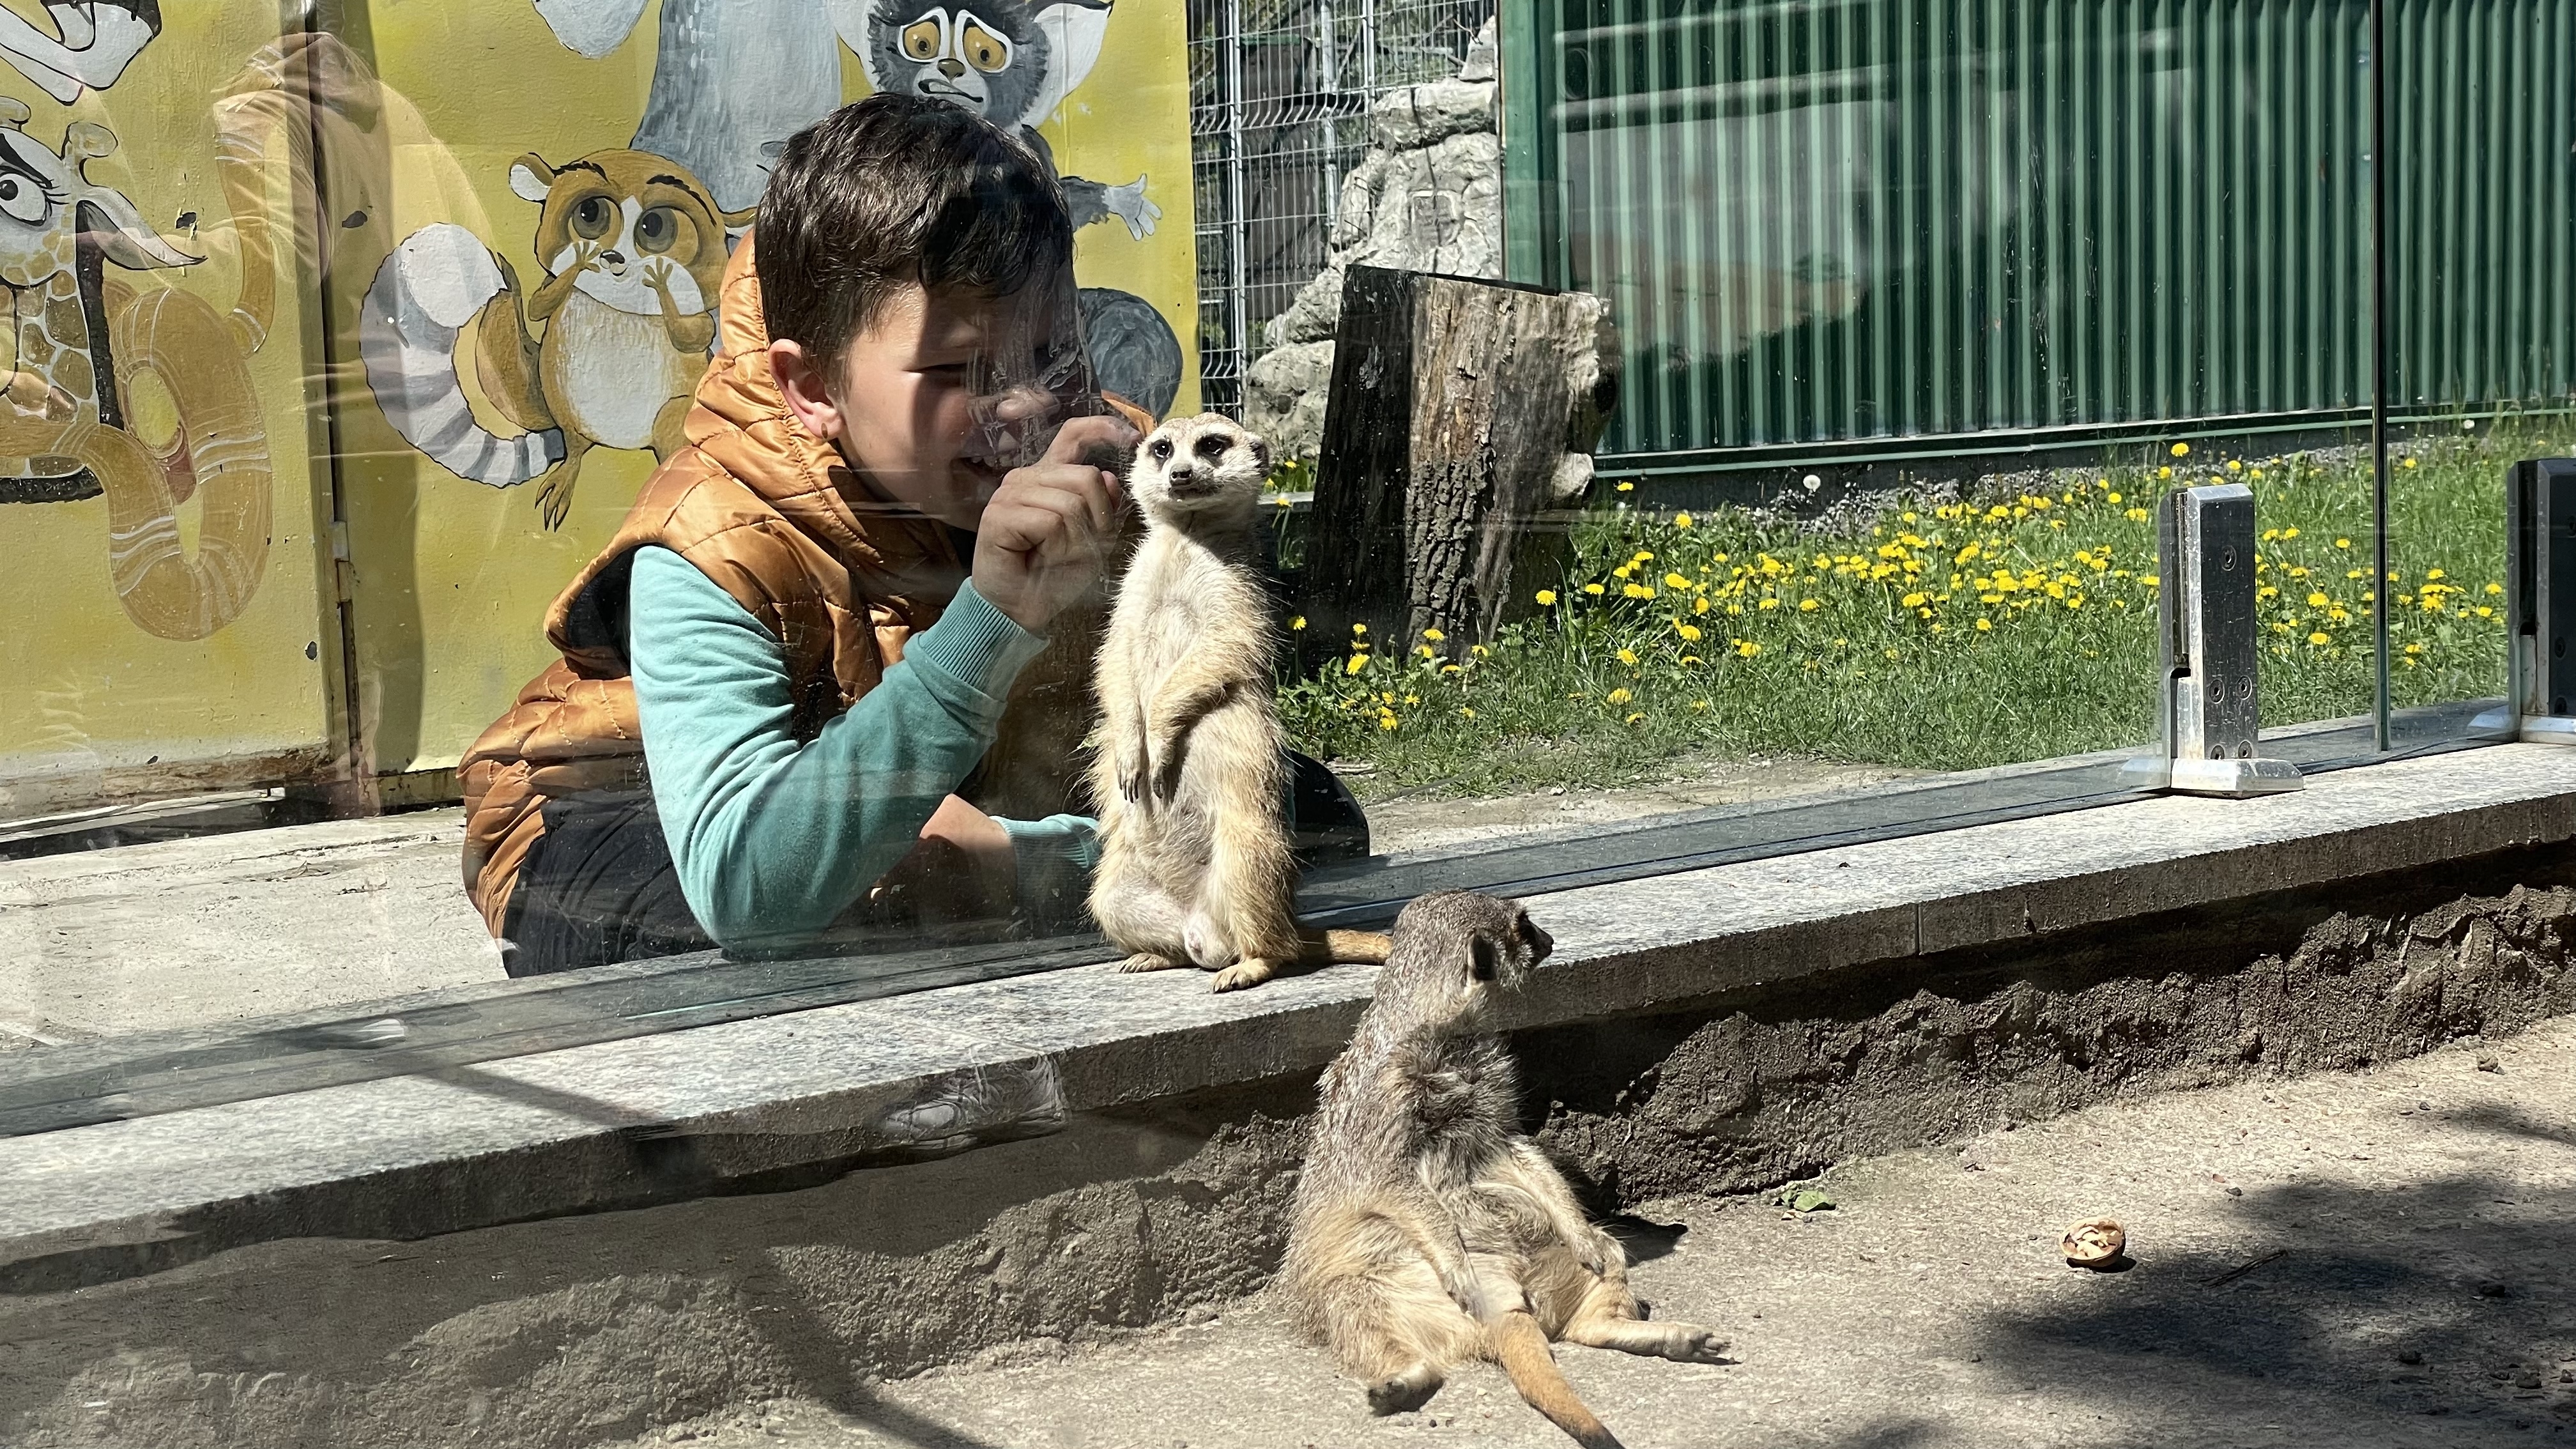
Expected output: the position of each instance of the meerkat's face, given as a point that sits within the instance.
(1191, 465)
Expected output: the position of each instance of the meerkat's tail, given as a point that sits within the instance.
(1521, 1348)
(1352, 948)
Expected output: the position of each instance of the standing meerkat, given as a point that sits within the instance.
(1192, 774)
(1427, 1230)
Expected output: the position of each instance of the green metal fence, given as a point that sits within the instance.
(1838, 221)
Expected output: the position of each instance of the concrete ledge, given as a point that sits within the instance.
(802, 1096)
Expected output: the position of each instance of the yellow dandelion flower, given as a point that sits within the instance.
(1676, 581)
(1912, 601)
(2165, 472)
(1638, 591)
(1592, 589)
(1426, 651)
(2110, 497)
(2485, 612)
(1808, 606)
(2410, 463)
(2495, 588)
(1627, 656)
(1699, 606)
(2182, 450)
(1451, 668)
(1358, 663)
(1413, 699)
(2318, 601)
(1620, 696)
(1746, 648)
(1465, 712)
(1700, 705)
(1770, 603)
(2318, 637)
(1985, 626)
(1681, 520)
(1359, 628)
(1434, 635)
(1479, 650)
(1546, 597)
(1690, 659)
(1297, 623)
(2235, 467)
(2136, 515)
(1388, 722)
(2435, 574)
(1632, 719)
(1689, 632)
(1627, 487)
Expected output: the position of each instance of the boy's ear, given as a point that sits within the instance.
(801, 383)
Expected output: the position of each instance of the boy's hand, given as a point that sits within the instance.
(1045, 536)
(961, 870)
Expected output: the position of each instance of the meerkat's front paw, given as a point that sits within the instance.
(1240, 975)
(1690, 1343)
(1148, 961)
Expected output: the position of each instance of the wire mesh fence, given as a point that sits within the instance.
(1280, 92)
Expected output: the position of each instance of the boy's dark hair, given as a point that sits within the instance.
(896, 189)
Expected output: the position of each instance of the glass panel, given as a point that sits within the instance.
(1908, 316)
(2478, 133)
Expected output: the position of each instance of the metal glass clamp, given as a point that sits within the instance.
(2205, 612)
(2540, 603)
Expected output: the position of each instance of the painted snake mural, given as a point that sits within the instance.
(84, 348)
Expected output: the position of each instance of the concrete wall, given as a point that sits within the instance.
(585, 1329)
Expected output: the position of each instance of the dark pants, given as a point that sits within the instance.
(599, 886)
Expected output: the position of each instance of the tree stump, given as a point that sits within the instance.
(1457, 445)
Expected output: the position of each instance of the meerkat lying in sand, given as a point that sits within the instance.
(1192, 773)
(1427, 1229)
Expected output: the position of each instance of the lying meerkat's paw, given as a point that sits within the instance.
(1689, 1343)
(1148, 961)
(1404, 1392)
(1240, 975)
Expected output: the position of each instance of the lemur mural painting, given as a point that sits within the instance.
(342, 332)
(601, 352)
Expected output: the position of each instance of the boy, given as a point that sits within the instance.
(781, 705)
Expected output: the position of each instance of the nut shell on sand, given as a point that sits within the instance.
(2094, 1243)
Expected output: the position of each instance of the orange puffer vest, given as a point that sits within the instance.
(766, 510)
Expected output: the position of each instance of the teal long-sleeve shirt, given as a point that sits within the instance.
(774, 837)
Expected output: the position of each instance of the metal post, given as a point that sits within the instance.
(1328, 84)
(2540, 604)
(2379, 302)
(1238, 281)
(2210, 707)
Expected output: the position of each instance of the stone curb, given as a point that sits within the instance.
(803, 1096)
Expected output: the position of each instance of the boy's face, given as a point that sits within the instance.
(910, 391)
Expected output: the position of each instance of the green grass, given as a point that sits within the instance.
(1927, 635)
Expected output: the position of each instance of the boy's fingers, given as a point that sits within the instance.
(1037, 517)
(1075, 441)
(1092, 488)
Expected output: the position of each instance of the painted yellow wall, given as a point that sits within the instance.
(422, 109)
(454, 577)
(88, 693)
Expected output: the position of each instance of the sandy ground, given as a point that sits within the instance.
(2380, 1259)
(232, 927)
